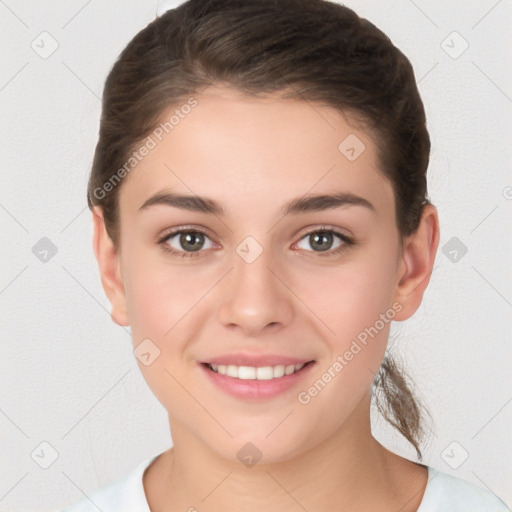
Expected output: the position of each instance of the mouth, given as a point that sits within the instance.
(256, 372)
(256, 382)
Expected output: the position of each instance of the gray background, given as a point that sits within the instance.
(69, 379)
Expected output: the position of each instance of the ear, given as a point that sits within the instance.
(110, 268)
(417, 261)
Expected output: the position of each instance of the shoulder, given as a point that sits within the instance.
(125, 494)
(447, 493)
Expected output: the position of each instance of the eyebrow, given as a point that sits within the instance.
(304, 204)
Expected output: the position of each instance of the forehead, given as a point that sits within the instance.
(231, 145)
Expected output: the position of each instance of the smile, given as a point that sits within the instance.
(255, 373)
(256, 382)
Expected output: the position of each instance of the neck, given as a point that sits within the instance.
(350, 467)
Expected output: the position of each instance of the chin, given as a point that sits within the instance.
(260, 449)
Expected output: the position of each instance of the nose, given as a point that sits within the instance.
(255, 296)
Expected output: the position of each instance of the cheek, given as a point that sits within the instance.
(349, 297)
(161, 304)
(167, 305)
(355, 304)
(160, 295)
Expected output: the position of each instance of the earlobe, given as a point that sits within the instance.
(417, 263)
(109, 266)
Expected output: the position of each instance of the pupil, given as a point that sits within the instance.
(191, 238)
(319, 236)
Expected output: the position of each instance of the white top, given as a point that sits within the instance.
(443, 493)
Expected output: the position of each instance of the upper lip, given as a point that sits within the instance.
(255, 360)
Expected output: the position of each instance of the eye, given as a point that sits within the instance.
(322, 240)
(189, 241)
(185, 242)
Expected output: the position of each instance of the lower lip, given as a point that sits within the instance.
(257, 389)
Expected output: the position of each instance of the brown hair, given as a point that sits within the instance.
(311, 50)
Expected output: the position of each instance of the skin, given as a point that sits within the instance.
(253, 156)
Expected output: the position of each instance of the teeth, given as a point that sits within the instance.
(253, 373)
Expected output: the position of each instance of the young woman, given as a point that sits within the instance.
(261, 215)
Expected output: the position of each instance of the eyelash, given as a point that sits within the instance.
(347, 241)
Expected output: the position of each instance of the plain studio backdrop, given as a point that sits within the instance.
(75, 412)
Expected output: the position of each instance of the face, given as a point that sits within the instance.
(257, 281)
